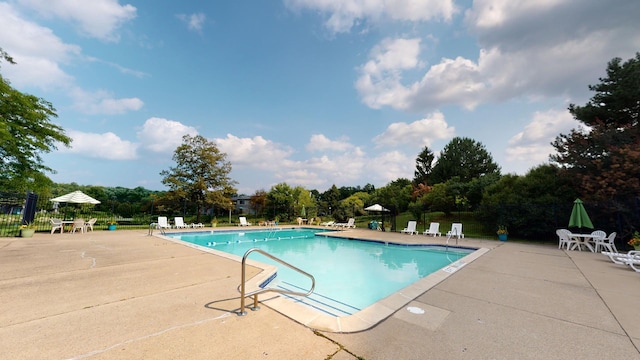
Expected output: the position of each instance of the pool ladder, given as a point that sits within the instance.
(452, 234)
(244, 295)
(155, 226)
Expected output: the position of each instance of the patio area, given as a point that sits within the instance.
(126, 295)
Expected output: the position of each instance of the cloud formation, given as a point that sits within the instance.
(107, 146)
(194, 22)
(528, 50)
(533, 145)
(419, 133)
(163, 136)
(96, 18)
(343, 15)
(319, 142)
(103, 102)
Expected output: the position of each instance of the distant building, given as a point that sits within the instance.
(242, 204)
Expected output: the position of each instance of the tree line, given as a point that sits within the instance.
(598, 162)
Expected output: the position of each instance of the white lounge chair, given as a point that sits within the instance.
(351, 223)
(616, 257)
(243, 221)
(634, 260)
(606, 243)
(327, 224)
(56, 224)
(198, 225)
(434, 229)
(163, 223)
(411, 228)
(456, 231)
(178, 223)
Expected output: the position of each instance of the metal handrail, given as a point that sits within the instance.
(255, 294)
(452, 234)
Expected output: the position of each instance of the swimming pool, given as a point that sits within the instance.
(350, 274)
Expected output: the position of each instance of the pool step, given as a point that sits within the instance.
(317, 301)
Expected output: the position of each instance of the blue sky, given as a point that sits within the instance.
(308, 92)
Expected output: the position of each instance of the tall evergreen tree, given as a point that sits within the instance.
(424, 164)
(604, 156)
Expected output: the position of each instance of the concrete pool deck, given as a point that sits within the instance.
(126, 295)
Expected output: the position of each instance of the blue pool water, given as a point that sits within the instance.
(350, 274)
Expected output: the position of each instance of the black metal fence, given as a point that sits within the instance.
(531, 221)
(17, 209)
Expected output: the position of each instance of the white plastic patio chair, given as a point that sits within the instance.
(89, 224)
(564, 240)
(56, 224)
(606, 243)
(243, 221)
(598, 235)
(78, 224)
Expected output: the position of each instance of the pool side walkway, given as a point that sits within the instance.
(126, 295)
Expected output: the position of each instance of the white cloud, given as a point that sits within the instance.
(101, 146)
(528, 49)
(533, 145)
(36, 50)
(103, 102)
(39, 54)
(96, 18)
(419, 133)
(345, 14)
(319, 142)
(194, 22)
(391, 166)
(256, 151)
(345, 167)
(380, 80)
(162, 135)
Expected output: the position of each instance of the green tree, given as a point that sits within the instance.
(396, 195)
(354, 204)
(604, 158)
(542, 197)
(201, 174)
(259, 201)
(464, 158)
(438, 200)
(329, 201)
(424, 165)
(302, 197)
(280, 201)
(26, 131)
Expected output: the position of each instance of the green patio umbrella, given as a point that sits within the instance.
(579, 217)
(303, 212)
